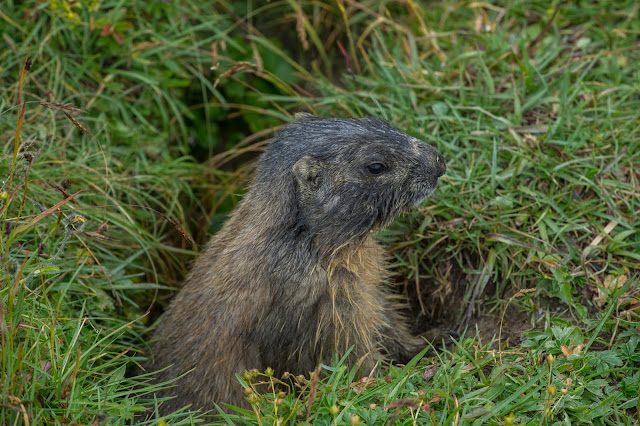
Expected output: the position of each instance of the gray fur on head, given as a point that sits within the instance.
(319, 168)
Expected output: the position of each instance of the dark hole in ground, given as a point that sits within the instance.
(445, 308)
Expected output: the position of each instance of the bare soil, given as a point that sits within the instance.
(445, 307)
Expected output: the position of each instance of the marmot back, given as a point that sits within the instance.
(295, 273)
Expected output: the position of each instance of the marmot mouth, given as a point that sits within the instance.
(423, 194)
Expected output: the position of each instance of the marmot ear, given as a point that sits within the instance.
(307, 171)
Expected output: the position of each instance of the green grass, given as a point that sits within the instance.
(537, 221)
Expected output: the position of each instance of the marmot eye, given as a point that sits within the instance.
(375, 168)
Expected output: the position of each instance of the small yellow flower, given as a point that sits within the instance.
(508, 420)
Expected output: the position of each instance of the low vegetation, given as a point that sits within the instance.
(129, 131)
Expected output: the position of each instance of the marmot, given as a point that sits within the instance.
(295, 274)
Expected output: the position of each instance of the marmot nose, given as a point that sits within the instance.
(441, 164)
(436, 162)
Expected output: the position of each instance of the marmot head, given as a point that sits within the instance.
(350, 176)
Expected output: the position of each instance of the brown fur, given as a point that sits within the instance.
(295, 274)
